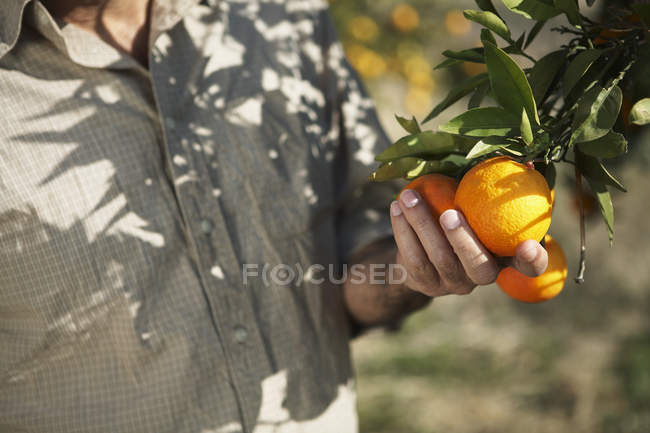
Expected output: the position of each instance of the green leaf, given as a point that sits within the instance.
(592, 168)
(486, 5)
(604, 199)
(596, 114)
(447, 63)
(490, 21)
(550, 174)
(411, 167)
(472, 55)
(395, 169)
(410, 125)
(544, 72)
(578, 67)
(570, 8)
(478, 96)
(483, 122)
(487, 146)
(509, 83)
(538, 10)
(608, 146)
(426, 144)
(519, 43)
(515, 149)
(643, 9)
(621, 71)
(605, 66)
(482, 148)
(532, 34)
(640, 113)
(526, 130)
(486, 35)
(450, 166)
(457, 93)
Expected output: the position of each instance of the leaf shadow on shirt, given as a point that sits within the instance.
(82, 270)
(98, 260)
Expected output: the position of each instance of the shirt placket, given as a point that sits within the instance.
(207, 232)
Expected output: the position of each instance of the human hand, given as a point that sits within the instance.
(445, 257)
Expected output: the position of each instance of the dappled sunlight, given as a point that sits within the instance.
(138, 219)
(275, 418)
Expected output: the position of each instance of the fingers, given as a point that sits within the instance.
(434, 242)
(479, 264)
(452, 248)
(422, 275)
(530, 258)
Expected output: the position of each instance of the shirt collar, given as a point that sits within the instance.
(165, 14)
(10, 22)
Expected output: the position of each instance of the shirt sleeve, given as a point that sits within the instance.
(363, 206)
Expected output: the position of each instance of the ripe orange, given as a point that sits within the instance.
(505, 203)
(437, 191)
(538, 289)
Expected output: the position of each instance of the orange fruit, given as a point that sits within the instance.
(505, 203)
(437, 191)
(538, 289)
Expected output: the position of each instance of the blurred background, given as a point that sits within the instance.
(486, 363)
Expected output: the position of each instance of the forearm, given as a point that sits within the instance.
(379, 297)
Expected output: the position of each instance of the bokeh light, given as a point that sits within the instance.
(456, 24)
(405, 17)
(363, 28)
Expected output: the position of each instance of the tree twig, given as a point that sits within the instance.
(580, 278)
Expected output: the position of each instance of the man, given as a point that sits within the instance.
(157, 159)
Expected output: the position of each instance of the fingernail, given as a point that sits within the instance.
(528, 254)
(409, 198)
(395, 210)
(449, 220)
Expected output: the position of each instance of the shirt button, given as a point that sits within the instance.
(171, 124)
(206, 227)
(241, 334)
